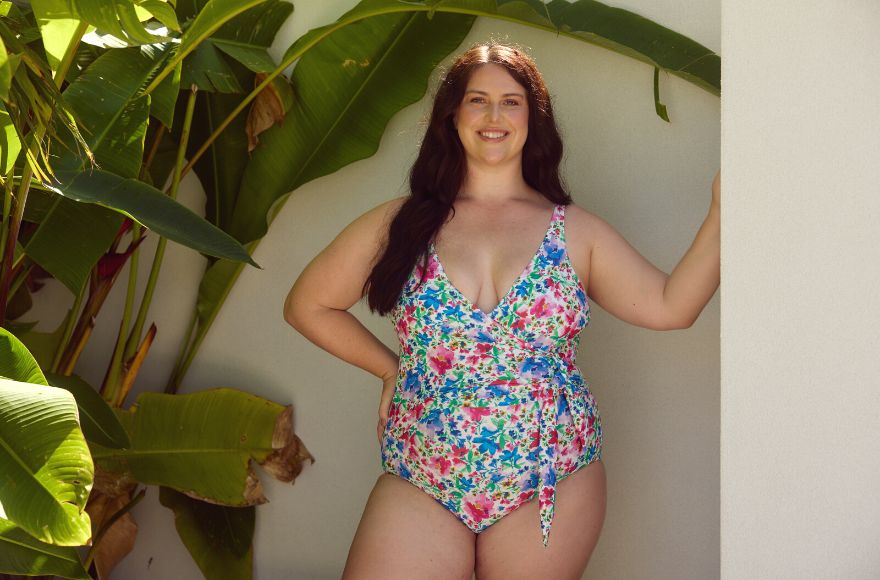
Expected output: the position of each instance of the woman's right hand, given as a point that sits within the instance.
(388, 385)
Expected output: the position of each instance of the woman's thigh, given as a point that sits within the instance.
(406, 533)
(512, 548)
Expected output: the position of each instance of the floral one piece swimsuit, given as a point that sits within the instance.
(490, 409)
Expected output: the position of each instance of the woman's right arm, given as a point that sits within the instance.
(317, 304)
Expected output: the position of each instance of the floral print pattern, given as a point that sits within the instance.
(490, 409)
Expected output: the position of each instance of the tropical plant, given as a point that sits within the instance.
(103, 110)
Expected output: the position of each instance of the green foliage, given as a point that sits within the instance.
(220, 538)
(44, 462)
(210, 462)
(21, 553)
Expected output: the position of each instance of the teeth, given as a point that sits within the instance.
(492, 134)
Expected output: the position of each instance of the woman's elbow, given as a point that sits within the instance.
(290, 313)
(680, 322)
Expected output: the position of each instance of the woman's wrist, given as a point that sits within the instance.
(391, 372)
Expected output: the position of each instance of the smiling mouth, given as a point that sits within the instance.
(492, 136)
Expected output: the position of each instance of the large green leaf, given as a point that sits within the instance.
(45, 469)
(71, 239)
(208, 69)
(211, 17)
(152, 209)
(108, 103)
(203, 444)
(221, 168)
(340, 112)
(117, 17)
(613, 28)
(219, 538)
(57, 25)
(23, 554)
(16, 362)
(99, 423)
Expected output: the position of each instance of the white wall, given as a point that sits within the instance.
(800, 349)
(658, 393)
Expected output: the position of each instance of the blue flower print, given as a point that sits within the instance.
(431, 297)
(487, 441)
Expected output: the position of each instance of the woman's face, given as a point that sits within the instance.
(493, 117)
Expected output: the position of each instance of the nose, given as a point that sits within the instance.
(494, 111)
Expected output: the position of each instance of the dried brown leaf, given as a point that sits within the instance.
(266, 110)
(286, 462)
(118, 540)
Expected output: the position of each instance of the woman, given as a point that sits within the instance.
(488, 432)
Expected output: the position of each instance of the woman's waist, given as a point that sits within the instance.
(505, 384)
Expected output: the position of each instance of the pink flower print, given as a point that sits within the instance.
(431, 270)
(521, 319)
(535, 439)
(540, 308)
(476, 413)
(474, 358)
(480, 508)
(403, 325)
(441, 464)
(571, 326)
(458, 454)
(440, 358)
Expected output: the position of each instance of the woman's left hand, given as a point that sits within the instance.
(716, 190)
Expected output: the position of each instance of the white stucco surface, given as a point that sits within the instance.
(800, 422)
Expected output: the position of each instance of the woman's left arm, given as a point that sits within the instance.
(631, 288)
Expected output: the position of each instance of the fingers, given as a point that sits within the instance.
(380, 428)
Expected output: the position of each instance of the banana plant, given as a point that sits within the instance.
(132, 96)
(51, 467)
(82, 208)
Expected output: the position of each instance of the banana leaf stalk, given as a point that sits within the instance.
(116, 375)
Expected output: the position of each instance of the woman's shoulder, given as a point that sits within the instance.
(586, 228)
(581, 222)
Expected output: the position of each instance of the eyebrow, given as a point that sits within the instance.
(504, 95)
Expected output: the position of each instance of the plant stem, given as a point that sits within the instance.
(69, 54)
(112, 378)
(7, 206)
(68, 328)
(20, 277)
(6, 267)
(135, 337)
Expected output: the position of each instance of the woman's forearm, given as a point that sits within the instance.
(696, 277)
(341, 334)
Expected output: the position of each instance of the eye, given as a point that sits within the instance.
(513, 102)
(476, 99)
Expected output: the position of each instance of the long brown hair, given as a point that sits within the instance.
(439, 171)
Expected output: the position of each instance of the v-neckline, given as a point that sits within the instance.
(525, 272)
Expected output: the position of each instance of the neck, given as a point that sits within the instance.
(494, 184)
